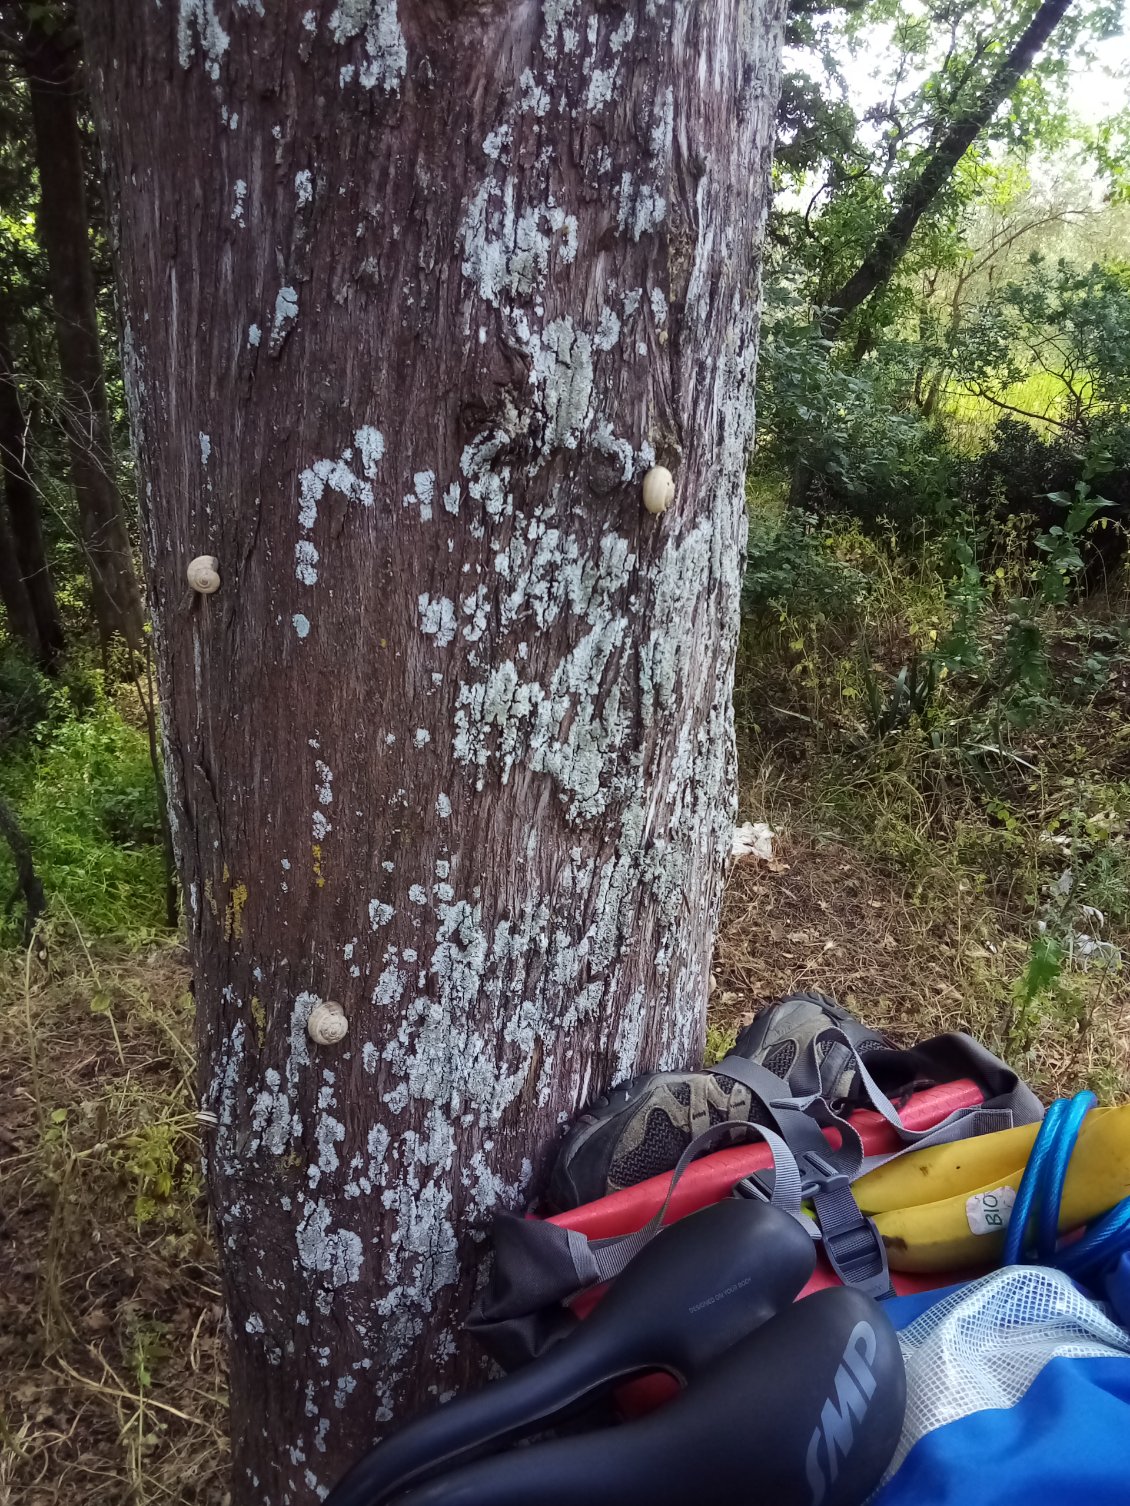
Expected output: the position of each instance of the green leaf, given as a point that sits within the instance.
(1045, 964)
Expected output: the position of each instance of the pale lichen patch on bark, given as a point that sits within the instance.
(286, 313)
(438, 619)
(385, 53)
(337, 1254)
(200, 16)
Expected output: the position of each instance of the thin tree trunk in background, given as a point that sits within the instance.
(51, 64)
(878, 266)
(13, 595)
(23, 532)
(415, 294)
(28, 883)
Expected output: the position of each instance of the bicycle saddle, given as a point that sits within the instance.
(686, 1297)
(805, 1411)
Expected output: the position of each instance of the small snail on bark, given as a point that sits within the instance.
(658, 489)
(204, 574)
(327, 1023)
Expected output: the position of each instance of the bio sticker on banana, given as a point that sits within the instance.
(988, 1212)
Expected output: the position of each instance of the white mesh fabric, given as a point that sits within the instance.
(985, 1344)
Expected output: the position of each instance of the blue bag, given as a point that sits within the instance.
(1018, 1391)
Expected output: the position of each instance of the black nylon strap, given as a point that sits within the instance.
(852, 1243)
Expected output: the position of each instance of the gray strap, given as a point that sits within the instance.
(974, 1122)
(797, 1141)
(852, 1243)
(962, 1124)
(809, 1072)
(762, 1083)
(800, 1120)
(601, 1259)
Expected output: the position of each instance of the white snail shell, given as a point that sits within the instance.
(658, 489)
(204, 574)
(327, 1023)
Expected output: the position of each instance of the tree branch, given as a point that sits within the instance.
(997, 402)
(890, 246)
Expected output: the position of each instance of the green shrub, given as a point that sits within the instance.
(85, 793)
(25, 694)
(792, 566)
(849, 433)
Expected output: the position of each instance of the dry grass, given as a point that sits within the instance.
(910, 957)
(111, 1361)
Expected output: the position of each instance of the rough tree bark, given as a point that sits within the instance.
(415, 294)
(878, 266)
(21, 535)
(50, 60)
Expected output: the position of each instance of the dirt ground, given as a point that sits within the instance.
(111, 1329)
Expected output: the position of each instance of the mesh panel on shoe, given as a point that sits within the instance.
(865, 1048)
(654, 1146)
(656, 1151)
(779, 1059)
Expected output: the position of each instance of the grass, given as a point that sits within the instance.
(912, 949)
(971, 418)
(111, 1335)
(83, 787)
(988, 825)
(111, 1352)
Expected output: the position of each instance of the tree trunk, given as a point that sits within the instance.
(415, 296)
(28, 885)
(51, 67)
(21, 537)
(13, 595)
(878, 266)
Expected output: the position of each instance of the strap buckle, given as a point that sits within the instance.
(816, 1176)
(819, 1175)
(859, 1258)
(853, 1245)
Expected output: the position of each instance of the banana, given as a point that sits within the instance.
(967, 1228)
(941, 1171)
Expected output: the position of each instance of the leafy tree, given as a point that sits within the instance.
(881, 192)
(1066, 324)
(985, 79)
